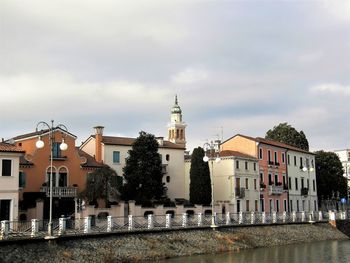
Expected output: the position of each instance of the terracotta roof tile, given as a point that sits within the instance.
(7, 147)
(227, 153)
(40, 132)
(111, 140)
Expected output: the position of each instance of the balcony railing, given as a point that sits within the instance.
(304, 191)
(275, 190)
(60, 191)
(240, 192)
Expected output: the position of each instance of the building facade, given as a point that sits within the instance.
(344, 157)
(69, 169)
(9, 181)
(276, 175)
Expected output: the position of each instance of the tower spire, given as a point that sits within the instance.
(176, 127)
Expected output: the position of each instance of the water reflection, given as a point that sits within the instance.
(324, 251)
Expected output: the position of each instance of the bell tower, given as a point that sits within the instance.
(176, 127)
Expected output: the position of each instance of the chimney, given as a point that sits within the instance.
(98, 143)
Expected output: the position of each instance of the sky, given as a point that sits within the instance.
(236, 66)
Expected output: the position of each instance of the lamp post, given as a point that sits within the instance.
(63, 146)
(214, 149)
(308, 169)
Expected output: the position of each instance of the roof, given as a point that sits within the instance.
(227, 153)
(7, 147)
(41, 132)
(271, 142)
(90, 160)
(125, 141)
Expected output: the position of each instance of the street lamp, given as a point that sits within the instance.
(63, 146)
(214, 149)
(308, 169)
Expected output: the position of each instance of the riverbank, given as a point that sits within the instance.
(151, 246)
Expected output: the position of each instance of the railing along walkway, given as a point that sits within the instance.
(71, 227)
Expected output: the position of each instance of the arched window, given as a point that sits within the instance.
(63, 177)
(47, 179)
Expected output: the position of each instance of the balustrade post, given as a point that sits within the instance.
(252, 218)
(320, 216)
(87, 224)
(344, 215)
(200, 219)
(61, 226)
(109, 223)
(184, 220)
(168, 221)
(303, 216)
(35, 227)
(240, 218)
(263, 217)
(131, 223)
(294, 216)
(228, 218)
(274, 217)
(284, 217)
(150, 222)
(5, 228)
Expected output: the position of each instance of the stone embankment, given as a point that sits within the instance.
(151, 246)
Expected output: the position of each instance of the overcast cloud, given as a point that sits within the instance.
(237, 67)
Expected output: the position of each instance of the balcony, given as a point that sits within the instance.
(60, 191)
(262, 186)
(270, 163)
(277, 163)
(240, 192)
(275, 189)
(304, 191)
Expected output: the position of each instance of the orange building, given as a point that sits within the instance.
(69, 170)
(272, 169)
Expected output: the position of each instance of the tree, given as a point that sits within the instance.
(329, 175)
(143, 171)
(103, 183)
(287, 134)
(200, 188)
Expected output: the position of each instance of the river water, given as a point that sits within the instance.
(320, 252)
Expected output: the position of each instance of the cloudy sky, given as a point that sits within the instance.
(237, 67)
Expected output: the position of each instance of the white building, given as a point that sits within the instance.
(113, 151)
(9, 181)
(236, 181)
(344, 157)
(301, 180)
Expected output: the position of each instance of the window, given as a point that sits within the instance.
(314, 185)
(167, 157)
(48, 173)
(276, 179)
(276, 157)
(269, 155)
(295, 160)
(285, 186)
(6, 167)
(270, 179)
(291, 206)
(246, 165)
(254, 166)
(296, 183)
(246, 183)
(168, 179)
(283, 158)
(271, 205)
(63, 177)
(237, 164)
(301, 162)
(285, 204)
(308, 183)
(261, 177)
(277, 205)
(260, 153)
(290, 183)
(262, 205)
(56, 151)
(238, 206)
(255, 184)
(288, 159)
(298, 206)
(22, 179)
(5, 207)
(302, 182)
(116, 157)
(247, 205)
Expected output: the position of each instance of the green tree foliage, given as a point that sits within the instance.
(143, 171)
(287, 134)
(103, 183)
(200, 188)
(329, 175)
